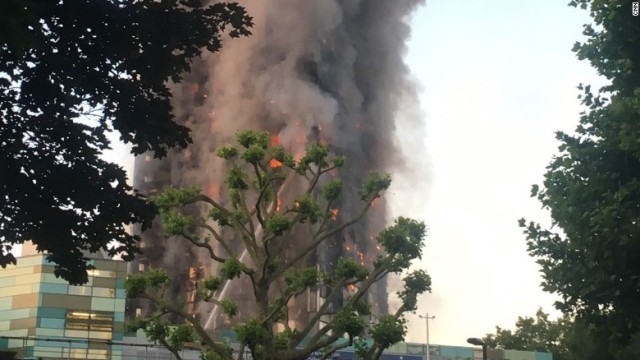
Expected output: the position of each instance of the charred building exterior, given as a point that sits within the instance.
(312, 70)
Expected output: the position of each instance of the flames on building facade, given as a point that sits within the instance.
(313, 70)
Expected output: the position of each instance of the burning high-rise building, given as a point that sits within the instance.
(313, 70)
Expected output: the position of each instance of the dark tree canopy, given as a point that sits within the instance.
(70, 72)
(567, 338)
(592, 187)
(534, 334)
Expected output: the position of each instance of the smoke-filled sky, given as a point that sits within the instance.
(498, 79)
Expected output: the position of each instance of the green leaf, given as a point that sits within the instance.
(227, 152)
(229, 307)
(212, 283)
(254, 154)
(277, 224)
(373, 185)
(231, 268)
(249, 138)
(332, 190)
(389, 331)
(236, 179)
(173, 196)
(308, 209)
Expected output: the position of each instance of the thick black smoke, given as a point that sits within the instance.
(332, 65)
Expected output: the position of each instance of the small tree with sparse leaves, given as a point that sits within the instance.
(253, 185)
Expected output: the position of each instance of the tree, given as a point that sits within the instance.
(567, 338)
(535, 334)
(70, 72)
(256, 171)
(592, 188)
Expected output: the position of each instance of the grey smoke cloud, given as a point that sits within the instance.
(336, 65)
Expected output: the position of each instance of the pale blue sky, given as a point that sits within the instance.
(498, 78)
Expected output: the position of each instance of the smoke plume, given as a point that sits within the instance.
(333, 67)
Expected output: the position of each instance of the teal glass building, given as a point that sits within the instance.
(40, 314)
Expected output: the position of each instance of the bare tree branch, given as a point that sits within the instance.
(204, 245)
(319, 238)
(322, 311)
(219, 349)
(217, 236)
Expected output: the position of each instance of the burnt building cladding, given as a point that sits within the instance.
(329, 71)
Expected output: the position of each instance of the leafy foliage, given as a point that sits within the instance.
(300, 227)
(173, 337)
(71, 72)
(388, 331)
(535, 334)
(566, 338)
(592, 188)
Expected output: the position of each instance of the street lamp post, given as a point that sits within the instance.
(426, 318)
(479, 342)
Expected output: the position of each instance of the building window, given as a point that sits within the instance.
(101, 273)
(80, 290)
(104, 292)
(89, 321)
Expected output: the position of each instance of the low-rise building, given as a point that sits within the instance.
(43, 317)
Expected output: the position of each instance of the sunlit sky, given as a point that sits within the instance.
(497, 79)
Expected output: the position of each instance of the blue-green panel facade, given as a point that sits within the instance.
(37, 304)
(519, 355)
(456, 352)
(543, 356)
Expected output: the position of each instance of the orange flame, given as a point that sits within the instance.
(278, 204)
(213, 191)
(334, 213)
(275, 140)
(274, 163)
